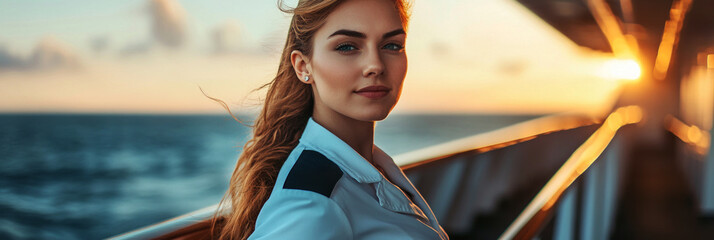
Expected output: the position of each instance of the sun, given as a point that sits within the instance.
(621, 69)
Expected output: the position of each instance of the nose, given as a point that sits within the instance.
(374, 65)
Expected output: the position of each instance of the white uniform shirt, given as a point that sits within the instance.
(326, 190)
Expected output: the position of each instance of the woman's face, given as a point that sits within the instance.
(358, 62)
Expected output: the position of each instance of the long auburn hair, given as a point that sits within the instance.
(277, 129)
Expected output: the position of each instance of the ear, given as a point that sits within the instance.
(301, 65)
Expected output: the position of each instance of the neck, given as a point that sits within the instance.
(357, 134)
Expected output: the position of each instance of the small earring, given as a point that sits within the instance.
(307, 78)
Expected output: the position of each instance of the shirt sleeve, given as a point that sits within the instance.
(298, 214)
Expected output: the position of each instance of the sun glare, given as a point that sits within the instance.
(621, 69)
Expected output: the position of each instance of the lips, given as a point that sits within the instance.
(373, 92)
(375, 88)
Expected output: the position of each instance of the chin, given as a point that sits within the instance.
(373, 115)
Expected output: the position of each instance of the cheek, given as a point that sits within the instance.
(333, 74)
(398, 70)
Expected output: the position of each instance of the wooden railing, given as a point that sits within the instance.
(540, 210)
(460, 179)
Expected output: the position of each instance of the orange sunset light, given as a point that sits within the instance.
(621, 69)
(467, 57)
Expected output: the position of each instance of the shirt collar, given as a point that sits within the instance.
(318, 137)
(399, 201)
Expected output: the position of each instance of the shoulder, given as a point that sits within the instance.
(313, 172)
(303, 204)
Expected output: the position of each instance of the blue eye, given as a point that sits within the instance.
(393, 47)
(345, 48)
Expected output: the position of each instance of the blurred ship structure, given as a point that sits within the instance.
(643, 170)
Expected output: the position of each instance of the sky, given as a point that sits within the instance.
(151, 56)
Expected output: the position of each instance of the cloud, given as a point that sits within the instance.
(440, 49)
(512, 67)
(10, 61)
(134, 49)
(99, 44)
(226, 38)
(168, 22)
(48, 54)
(51, 53)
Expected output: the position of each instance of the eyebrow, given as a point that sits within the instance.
(351, 33)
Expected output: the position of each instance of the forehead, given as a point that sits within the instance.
(372, 17)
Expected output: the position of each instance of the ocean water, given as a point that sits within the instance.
(73, 176)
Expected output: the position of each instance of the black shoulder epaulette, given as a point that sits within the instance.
(313, 172)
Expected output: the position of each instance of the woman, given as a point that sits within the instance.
(311, 170)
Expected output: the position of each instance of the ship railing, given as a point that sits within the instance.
(579, 200)
(461, 179)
